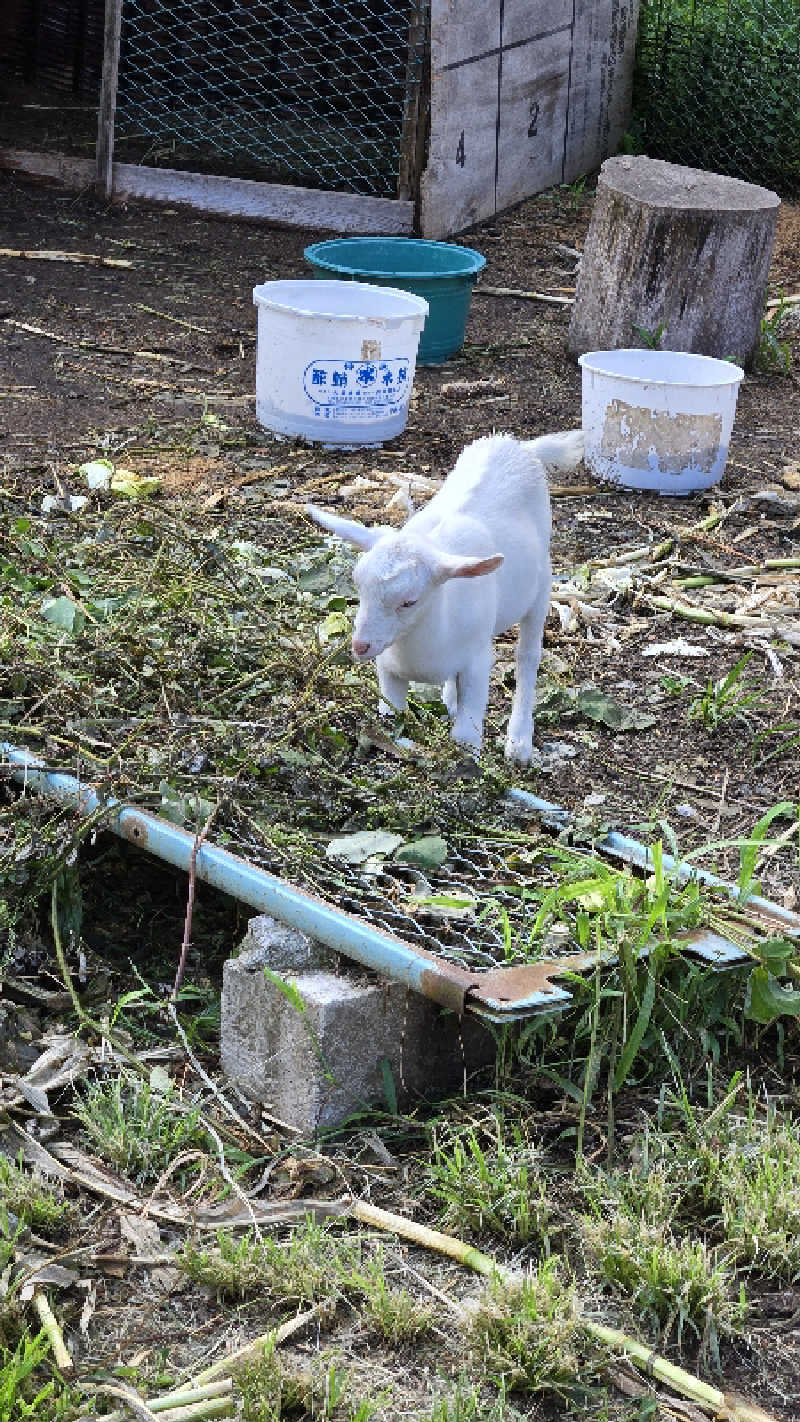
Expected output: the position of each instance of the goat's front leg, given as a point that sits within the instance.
(472, 696)
(394, 690)
(519, 739)
(450, 697)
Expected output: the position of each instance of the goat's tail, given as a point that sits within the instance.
(558, 451)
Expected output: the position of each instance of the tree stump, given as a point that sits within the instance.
(675, 257)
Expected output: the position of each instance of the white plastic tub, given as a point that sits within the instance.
(336, 359)
(658, 419)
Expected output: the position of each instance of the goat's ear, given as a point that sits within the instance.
(449, 565)
(346, 528)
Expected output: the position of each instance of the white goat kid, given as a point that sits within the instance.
(472, 563)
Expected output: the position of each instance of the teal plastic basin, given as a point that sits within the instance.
(441, 272)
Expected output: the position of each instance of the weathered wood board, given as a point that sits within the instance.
(603, 51)
(233, 197)
(534, 99)
(524, 94)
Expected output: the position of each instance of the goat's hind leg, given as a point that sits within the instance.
(519, 739)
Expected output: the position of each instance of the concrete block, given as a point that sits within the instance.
(274, 945)
(318, 1053)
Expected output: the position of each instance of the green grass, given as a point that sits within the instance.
(465, 1403)
(139, 1129)
(727, 1175)
(34, 1202)
(312, 1265)
(488, 1180)
(727, 699)
(774, 354)
(672, 1285)
(391, 1313)
(307, 1267)
(527, 1336)
(26, 1392)
(269, 1391)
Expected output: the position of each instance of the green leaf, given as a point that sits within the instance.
(428, 853)
(105, 607)
(442, 906)
(634, 1042)
(160, 1080)
(289, 990)
(774, 954)
(597, 706)
(64, 613)
(134, 486)
(750, 849)
(553, 702)
(766, 999)
(182, 809)
(334, 625)
(357, 848)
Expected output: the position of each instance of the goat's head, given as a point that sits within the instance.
(396, 578)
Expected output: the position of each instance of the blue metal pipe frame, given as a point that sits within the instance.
(500, 994)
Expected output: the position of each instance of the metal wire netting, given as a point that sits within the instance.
(717, 86)
(311, 91)
(477, 909)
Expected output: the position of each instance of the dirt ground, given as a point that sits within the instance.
(127, 360)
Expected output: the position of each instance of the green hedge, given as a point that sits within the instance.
(717, 86)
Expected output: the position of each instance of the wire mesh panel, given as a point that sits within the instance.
(718, 87)
(314, 92)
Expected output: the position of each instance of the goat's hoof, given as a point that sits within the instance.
(469, 747)
(519, 752)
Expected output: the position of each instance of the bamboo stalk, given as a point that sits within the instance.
(722, 1404)
(196, 1411)
(736, 621)
(137, 1405)
(55, 1337)
(191, 1395)
(661, 550)
(743, 572)
(185, 1402)
(431, 1238)
(524, 295)
(84, 258)
(249, 1351)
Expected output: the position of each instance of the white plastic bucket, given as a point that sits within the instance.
(335, 359)
(658, 419)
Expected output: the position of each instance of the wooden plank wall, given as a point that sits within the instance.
(524, 94)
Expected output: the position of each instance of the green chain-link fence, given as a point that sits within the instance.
(316, 92)
(718, 87)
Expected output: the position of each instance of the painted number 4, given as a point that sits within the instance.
(533, 118)
(461, 156)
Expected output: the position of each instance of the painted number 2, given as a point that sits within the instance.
(533, 113)
(461, 156)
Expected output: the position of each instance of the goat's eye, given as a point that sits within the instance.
(411, 602)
